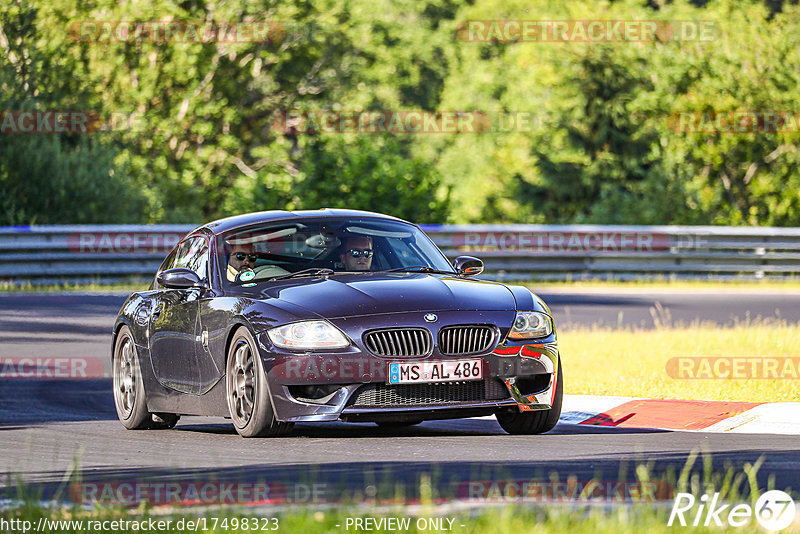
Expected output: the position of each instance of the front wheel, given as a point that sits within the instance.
(248, 395)
(536, 422)
(129, 397)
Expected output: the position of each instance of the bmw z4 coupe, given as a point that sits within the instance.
(279, 317)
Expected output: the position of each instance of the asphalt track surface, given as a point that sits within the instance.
(48, 425)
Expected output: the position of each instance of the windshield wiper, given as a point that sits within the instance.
(417, 269)
(304, 272)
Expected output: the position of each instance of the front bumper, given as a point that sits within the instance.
(351, 385)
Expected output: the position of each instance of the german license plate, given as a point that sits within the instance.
(442, 371)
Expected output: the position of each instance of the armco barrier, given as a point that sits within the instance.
(77, 254)
(51, 254)
(621, 252)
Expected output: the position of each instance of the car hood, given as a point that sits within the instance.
(348, 295)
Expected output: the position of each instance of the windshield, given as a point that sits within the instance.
(282, 248)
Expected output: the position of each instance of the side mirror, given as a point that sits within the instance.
(468, 266)
(179, 278)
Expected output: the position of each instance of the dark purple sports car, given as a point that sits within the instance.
(280, 317)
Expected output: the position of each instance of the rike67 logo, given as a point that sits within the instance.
(774, 510)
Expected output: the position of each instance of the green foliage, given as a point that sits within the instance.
(600, 149)
(602, 168)
(744, 178)
(47, 179)
(50, 178)
(370, 174)
(605, 149)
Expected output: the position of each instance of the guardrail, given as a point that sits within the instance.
(85, 253)
(111, 253)
(623, 252)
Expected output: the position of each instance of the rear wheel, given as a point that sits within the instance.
(536, 422)
(247, 392)
(129, 396)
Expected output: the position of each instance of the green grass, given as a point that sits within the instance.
(97, 286)
(507, 520)
(632, 362)
(576, 517)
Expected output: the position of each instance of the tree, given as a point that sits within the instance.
(374, 174)
(51, 178)
(753, 176)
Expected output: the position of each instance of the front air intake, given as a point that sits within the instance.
(433, 395)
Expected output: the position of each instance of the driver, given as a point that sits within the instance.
(357, 253)
(240, 258)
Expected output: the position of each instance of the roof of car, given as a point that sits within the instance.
(246, 219)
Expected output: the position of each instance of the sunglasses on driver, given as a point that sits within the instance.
(241, 256)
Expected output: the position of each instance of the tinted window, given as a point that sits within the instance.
(344, 245)
(168, 263)
(193, 254)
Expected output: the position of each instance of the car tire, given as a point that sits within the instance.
(536, 422)
(129, 395)
(163, 421)
(247, 391)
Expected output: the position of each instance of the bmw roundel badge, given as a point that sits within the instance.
(431, 317)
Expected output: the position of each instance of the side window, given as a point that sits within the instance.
(168, 263)
(193, 254)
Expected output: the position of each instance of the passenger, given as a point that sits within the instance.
(357, 253)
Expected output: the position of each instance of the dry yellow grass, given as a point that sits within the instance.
(790, 283)
(634, 362)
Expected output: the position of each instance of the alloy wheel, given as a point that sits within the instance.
(242, 384)
(125, 378)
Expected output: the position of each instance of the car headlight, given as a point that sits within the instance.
(308, 335)
(531, 325)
